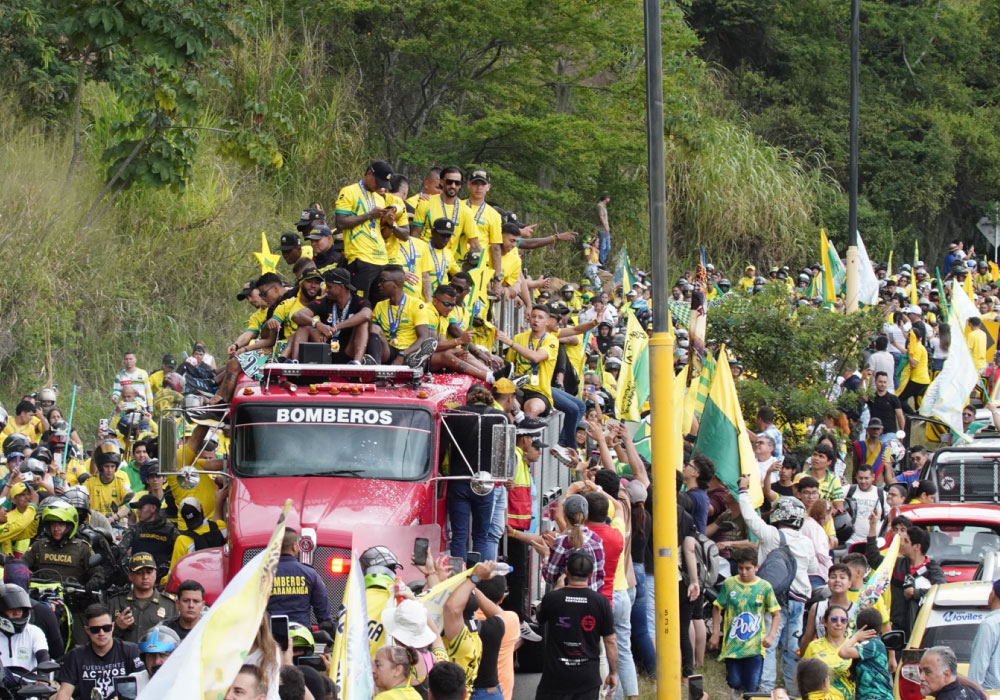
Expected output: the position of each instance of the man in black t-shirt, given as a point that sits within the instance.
(95, 665)
(339, 317)
(575, 620)
(886, 406)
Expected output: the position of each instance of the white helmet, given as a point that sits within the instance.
(788, 510)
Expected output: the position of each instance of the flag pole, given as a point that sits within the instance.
(661, 367)
(69, 428)
(853, 259)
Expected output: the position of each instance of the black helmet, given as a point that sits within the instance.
(379, 560)
(108, 452)
(566, 288)
(77, 497)
(43, 454)
(16, 443)
(13, 597)
(619, 340)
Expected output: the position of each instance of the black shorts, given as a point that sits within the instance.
(364, 276)
(393, 354)
(530, 393)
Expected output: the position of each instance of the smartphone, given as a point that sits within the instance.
(279, 630)
(456, 564)
(696, 688)
(312, 661)
(472, 558)
(126, 688)
(420, 550)
(103, 424)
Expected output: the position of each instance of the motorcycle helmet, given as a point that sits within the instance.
(843, 525)
(301, 637)
(108, 452)
(78, 497)
(159, 640)
(724, 284)
(379, 560)
(47, 397)
(788, 510)
(174, 381)
(33, 466)
(16, 444)
(42, 454)
(13, 597)
(57, 510)
(130, 423)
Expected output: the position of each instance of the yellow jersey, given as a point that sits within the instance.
(510, 264)
(107, 498)
(440, 265)
(364, 242)
(284, 312)
(414, 257)
(921, 373)
(540, 373)
(466, 650)
(489, 223)
(461, 216)
(255, 321)
(399, 323)
(31, 430)
(976, 340)
(440, 323)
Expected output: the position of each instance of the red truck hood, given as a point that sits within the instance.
(332, 506)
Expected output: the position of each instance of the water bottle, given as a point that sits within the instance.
(502, 569)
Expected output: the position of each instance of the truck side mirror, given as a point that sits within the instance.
(502, 460)
(168, 442)
(894, 640)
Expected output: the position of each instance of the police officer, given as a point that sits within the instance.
(59, 551)
(141, 608)
(97, 534)
(297, 587)
(152, 533)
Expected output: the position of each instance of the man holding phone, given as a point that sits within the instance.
(142, 608)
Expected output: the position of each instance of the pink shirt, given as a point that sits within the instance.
(815, 533)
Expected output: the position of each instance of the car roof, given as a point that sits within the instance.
(962, 594)
(956, 512)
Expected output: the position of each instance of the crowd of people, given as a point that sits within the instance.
(394, 278)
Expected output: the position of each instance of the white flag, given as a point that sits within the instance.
(949, 393)
(962, 307)
(867, 282)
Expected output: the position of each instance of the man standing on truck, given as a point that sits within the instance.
(297, 587)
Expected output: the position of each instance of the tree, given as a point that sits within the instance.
(791, 353)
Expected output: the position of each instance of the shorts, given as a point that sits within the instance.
(532, 394)
(252, 363)
(393, 354)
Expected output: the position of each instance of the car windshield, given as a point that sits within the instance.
(961, 542)
(358, 441)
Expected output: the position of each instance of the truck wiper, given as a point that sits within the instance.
(337, 472)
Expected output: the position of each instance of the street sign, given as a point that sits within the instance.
(989, 230)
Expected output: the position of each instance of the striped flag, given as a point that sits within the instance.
(212, 653)
(697, 393)
(680, 310)
(624, 276)
(833, 269)
(630, 382)
(723, 436)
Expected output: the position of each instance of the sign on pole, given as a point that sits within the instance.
(990, 228)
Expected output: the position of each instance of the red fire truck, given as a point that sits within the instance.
(358, 450)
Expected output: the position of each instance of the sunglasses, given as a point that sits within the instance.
(453, 182)
(838, 619)
(447, 304)
(96, 629)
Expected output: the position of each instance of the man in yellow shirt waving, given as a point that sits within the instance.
(534, 354)
(402, 321)
(361, 214)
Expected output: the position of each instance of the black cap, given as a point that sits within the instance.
(169, 360)
(339, 275)
(579, 564)
(311, 274)
(319, 232)
(309, 216)
(479, 175)
(147, 500)
(247, 289)
(512, 228)
(382, 172)
(444, 226)
(472, 257)
(289, 241)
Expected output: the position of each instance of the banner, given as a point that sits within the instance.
(627, 399)
(624, 276)
(351, 669)
(949, 392)
(212, 653)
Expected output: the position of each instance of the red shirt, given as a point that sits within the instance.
(613, 546)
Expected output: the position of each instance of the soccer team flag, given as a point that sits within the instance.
(723, 436)
(949, 392)
(351, 667)
(833, 269)
(624, 276)
(913, 278)
(633, 390)
(208, 661)
(877, 582)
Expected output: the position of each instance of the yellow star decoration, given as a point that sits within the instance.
(268, 260)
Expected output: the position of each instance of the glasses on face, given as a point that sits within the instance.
(457, 183)
(837, 618)
(447, 304)
(97, 629)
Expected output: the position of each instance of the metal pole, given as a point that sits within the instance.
(664, 432)
(853, 260)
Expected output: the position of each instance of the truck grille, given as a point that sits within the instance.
(335, 583)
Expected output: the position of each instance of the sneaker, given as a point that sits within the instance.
(505, 372)
(353, 362)
(418, 359)
(520, 381)
(213, 416)
(368, 360)
(528, 634)
(564, 455)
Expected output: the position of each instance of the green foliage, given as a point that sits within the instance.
(791, 354)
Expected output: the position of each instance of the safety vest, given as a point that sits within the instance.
(519, 507)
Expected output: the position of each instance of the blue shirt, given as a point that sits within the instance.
(699, 509)
(984, 661)
(772, 432)
(296, 589)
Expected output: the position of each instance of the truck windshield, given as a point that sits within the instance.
(359, 441)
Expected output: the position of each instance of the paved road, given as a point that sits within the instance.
(525, 685)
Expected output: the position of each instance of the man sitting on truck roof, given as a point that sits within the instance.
(534, 355)
(452, 339)
(402, 322)
(341, 318)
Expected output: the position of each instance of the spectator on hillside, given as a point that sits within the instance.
(131, 375)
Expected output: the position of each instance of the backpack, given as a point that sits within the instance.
(852, 507)
(707, 554)
(779, 568)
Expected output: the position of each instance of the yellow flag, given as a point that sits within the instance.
(829, 295)
(967, 285)
(627, 398)
(888, 268)
(913, 276)
(994, 272)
